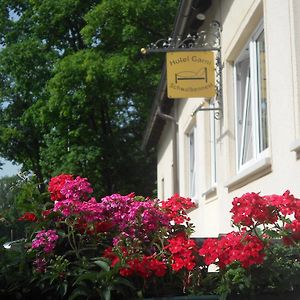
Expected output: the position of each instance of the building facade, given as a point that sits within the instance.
(255, 145)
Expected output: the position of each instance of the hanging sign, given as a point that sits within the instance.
(191, 74)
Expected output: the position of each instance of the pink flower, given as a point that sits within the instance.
(40, 264)
(45, 240)
(77, 189)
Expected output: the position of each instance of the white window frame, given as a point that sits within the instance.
(251, 87)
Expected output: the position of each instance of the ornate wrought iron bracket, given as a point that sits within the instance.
(205, 40)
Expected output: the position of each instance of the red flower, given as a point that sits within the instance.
(28, 216)
(145, 266)
(234, 246)
(287, 204)
(293, 233)
(175, 208)
(251, 208)
(108, 253)
(183, 251)
(56, 184)
(46, 213)
(103, 226)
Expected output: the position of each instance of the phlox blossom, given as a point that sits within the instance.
(183, 251)
(45, 240)
(176, 207)
(234, 246)
(145, 266)
(252, 208)
(77, 189)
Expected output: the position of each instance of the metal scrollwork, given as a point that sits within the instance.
(208, 39)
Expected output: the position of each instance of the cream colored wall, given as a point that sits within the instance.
(165, 163)
(279, 169)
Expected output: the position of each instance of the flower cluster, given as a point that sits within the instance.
(235, 246)
(145, 241)
(182, 252)
(144, 266)
(45, 240)
(76, 189)
(176, 207)
(138, 237)
(292, 234)
(253, 209)
(250, 211)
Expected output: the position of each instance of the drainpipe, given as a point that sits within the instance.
(175, 149)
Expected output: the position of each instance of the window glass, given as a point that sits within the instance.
(251, 100)
(262, 95)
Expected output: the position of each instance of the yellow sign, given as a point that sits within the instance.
(191, 74)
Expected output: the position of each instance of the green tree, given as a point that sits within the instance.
(75, 91)
(9, 189)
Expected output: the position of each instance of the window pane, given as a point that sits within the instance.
(244, 109)
(262, 95)
(247, 131)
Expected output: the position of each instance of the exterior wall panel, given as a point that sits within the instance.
(279, 170)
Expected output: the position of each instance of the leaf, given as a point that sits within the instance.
(77, 293)
(102, 264)
(92, 276)
(63, 288)
(273, 234)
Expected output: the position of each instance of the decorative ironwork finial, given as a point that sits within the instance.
(206, 40)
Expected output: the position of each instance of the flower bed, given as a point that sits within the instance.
(131, 247)
(262, 255)
(118, 246)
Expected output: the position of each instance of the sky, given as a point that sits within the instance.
(8, 169)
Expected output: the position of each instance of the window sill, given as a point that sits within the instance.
(295, 146)
(211, 192)
(255, 171)
(196, 202)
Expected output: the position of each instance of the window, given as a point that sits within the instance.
(192, 163)
(251, 100)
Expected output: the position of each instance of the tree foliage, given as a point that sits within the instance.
(75, 91)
